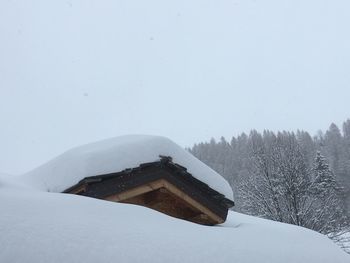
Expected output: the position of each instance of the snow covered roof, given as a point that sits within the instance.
(117, 154)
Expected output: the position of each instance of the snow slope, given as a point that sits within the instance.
(37, 226)
(117, 154)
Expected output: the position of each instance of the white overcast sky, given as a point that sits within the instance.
(73, 72)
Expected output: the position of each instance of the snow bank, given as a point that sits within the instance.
(8, 181)
(37, 226)
(117, 154)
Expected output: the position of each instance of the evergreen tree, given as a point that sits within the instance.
(324, 180)
(346, 163)
(333, 146)
(307, 145)
(346, 131)
(327, 211)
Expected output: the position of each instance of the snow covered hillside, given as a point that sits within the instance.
(37, 226)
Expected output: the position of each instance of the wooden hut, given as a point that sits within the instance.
(162, 185)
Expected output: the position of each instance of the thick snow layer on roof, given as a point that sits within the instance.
(117, 154)
(37, 226)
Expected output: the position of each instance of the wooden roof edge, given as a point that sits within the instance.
(70, 189)
(214, 194)
(164, 162)
(102, 177)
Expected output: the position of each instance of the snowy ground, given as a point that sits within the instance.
(37, 226)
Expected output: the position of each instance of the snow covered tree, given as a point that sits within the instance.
(326, 208)
(346, 130)
(334, 148)
(277, 176)
(282, 188)
(346, 163)
(278, 181)
(259, 190)
(324, 182)
(308, 146)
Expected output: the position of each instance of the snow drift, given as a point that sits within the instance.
(117, 154)
(37, 226)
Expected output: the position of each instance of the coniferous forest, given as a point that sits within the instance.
(291, 177)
